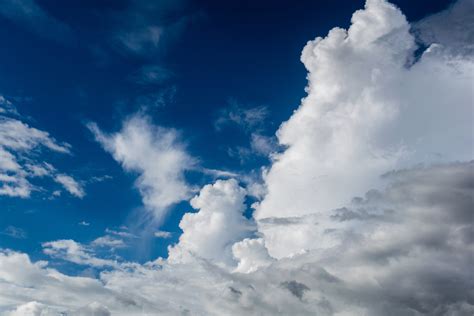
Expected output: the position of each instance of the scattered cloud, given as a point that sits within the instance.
(32, 16)
(154, 152)
(163, 234)
(151, 75)
(248, 119)
(72, 251)
(20, 149)
(70, 185)
(349, 222)
(14, 232)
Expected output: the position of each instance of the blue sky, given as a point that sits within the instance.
(215, 78)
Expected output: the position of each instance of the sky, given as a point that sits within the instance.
(237, 157)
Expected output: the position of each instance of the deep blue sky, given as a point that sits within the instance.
(212, 51)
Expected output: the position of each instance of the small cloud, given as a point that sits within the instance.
(151, 75)
(163, 234)
(120, 233)
(71, 185)
(248, 119)
(84, 223)
(108, 241)
(14, 232)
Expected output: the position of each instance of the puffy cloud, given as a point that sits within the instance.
(251, 254)
(156, 154)
(407, 252)
(369, 109)
(20, 145)
(320, 246)
(218, 224)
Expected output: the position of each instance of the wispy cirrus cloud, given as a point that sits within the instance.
(33, 17)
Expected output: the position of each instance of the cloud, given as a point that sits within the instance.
(368, 110)
(142, 27)
(414, 259)
(360, 218)
(71, 185)
(109, 242)
(151, 75)
(162, 234)
(449, 28)
(20, 148)
(30, 15)
(14, 232)
(247, 118)
(157, 155)
(219, 223)
(72, 251)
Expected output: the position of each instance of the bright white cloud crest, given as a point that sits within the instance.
(332, 236)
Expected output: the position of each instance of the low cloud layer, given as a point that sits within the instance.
(368, 210)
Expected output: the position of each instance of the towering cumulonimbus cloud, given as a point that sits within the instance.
(371, 108)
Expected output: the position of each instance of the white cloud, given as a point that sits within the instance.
(368, 111)
(219, 223)
(157, 155)
(404, 248)
(162, 234)
(72, 251)
(247, 118)
(71, 185)
(20, 146)
(109, 242)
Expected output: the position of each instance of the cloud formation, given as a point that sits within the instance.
(368, 210)
(33, 17)
(156, 154)
(20, 148)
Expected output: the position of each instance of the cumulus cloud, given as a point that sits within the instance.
(219, 223)
(411, 255)
(154, 152)
(352, 222)
(20, 146)
(368, 110)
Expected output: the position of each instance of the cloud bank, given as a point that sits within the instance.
(368, 210)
